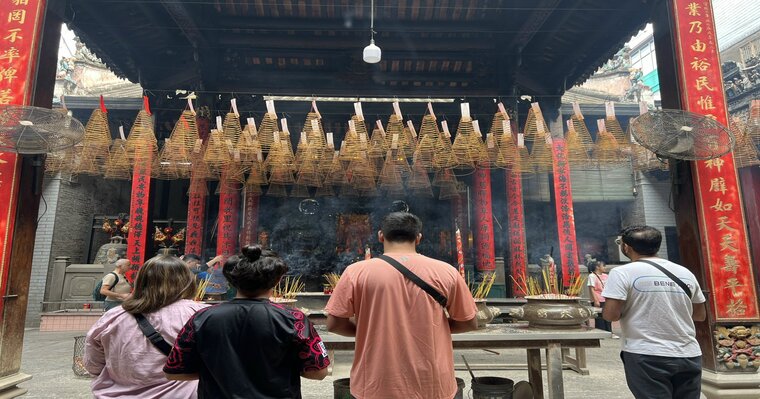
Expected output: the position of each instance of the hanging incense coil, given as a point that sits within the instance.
(419, 182)
(315, 137)
(501, 131)
(407, 142)
(444, 157)
(300, 191)
(93, 151)
(390, 177)
(256, 175)
(281, 175)
(361, 130)
(336, 174)
(395, 126)
(377, 145)
(142, 142)
(249, 151)
(280, 155)
(745, 152)
(613, 127)
(753, 122)
(577, 155)
(118, 166)
(443, 177)
(581, 132)
(178, 153)
(535, 125)
(325, 190)
(448, 191)
(351, 148)
(218, 151)
(253, 189)
(523, 162)
(428, 143)
(494, 156)
(62, 161)
(231, 129)
(277, 190)
(541, 156)
(348, 191)
(266, 131)
(309, 174)
(465, 153)
(607, 153)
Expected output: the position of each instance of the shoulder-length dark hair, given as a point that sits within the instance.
(161, 281)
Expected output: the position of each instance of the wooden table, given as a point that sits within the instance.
(503, 336)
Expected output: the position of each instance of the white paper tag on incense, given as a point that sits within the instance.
(411, 128)
(343, 147)
(121, 133)
(233, 102)
(394, 141)
(380, 126)
(520, 140)
(445, 127)
(577, 110)
(316, 110)
(270, 107)
(430, 110)
(259, 156)
(236, 155)
(303, 137)
(489, 140)
(315, 125)
(284, 126)
(549, 139)
(609, 109)
(252, 123)
(230, 147)
(506, 128)
(351, 126)
(503, 110)
(465, 108)
(389, 154)
(643, 107)
(219, 124)
(397, 110)
(190, 104)
(197, 146)
(330, 142)
(570, 126)
(535, 107)
(358, 110)
(275, 137)
(476, 127)
(601, 125)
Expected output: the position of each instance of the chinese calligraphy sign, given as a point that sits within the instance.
(484, 234)
(518, 248)
(564, 207)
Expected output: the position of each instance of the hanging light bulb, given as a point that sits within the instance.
(372, 53)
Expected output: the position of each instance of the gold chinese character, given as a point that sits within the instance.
(705, 103)
(695, 27)
(20, 2)
(733, 283)
(702, 83)
(722, 207)
(8, 74)
(700, 64)
(17, 16)
(731, 265)
(10, 54)
(715, 163)
(5, 97)
(13, 35)
(723, 224)
(718, 184)
(693, 9)
(727, 242)
(699, 46)
(736, 307)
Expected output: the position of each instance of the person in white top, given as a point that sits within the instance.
(661, 355)
(597, 278)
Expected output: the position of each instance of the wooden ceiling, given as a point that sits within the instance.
(299, 47)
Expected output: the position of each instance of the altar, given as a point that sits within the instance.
(503, 336)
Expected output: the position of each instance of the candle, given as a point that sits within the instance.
(460, 253)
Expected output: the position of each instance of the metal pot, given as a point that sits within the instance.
(553, 313)
(485, 313)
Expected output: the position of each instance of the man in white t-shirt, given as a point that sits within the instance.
(661, 355)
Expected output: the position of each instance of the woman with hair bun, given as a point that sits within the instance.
(249, 347)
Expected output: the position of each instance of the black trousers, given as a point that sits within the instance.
(600, 323)
(659, 377)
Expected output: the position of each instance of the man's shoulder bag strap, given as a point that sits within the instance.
(153, 336)
(440, 298)
(671, 275)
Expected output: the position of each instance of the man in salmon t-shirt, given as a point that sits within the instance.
(403, 336)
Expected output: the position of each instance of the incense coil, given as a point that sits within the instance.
(299, 191)
(606, 151)
(395, 126)
(348, 191)
(325, 191)
(444, 157)
(351, 148)
(256, 175)
(428, 142)
(281, 175)
(443, 177)
(218, 152)
(277, 190)
(309, 174)
(448, 191)
(753, 122)
(249, 150)
(419, 178)
(93, 152)
(316, 138)
(377, 145)
(463, 149)
(61, 161)
(577, 156)
(535, 126)
(118, 166)
(280, 156)
(231, 129)
(504, 141)
(745, 152)
(614, 128)
(142, 141)
(266, 131)
(523, 162)
(253, 189)
(361, 130)
(541, 157)
(336, 175)
(582, 133)
(407, 142)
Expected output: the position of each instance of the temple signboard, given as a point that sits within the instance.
(568, 247)
(724, 237)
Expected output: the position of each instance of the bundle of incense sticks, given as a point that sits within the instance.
(481, 290)
(332, 279)
(288, 287)
(549, 288)
(200, 292)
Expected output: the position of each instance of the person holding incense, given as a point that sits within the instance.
(249, 347)
(118, 353)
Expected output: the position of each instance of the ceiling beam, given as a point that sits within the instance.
(351, 43)
(533, 24)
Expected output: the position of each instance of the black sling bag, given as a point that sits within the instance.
(416, 280)
(671, 275)
(153, 336)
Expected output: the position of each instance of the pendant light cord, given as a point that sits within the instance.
(372, 20)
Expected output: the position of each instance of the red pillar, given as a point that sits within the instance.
(484, 239)
(518, 249)
(564, 207)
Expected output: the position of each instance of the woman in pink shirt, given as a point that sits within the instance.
(126, 364)
(597, 278)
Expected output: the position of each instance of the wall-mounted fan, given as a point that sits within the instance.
(33, 130)
(678, 134)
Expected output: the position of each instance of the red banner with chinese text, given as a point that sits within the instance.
(518, 248)
(196, 211)
(724, 238)
(251, 221)
(563, 194)
(20, 27)
(484, 240)
(229, 201)
(138, 215)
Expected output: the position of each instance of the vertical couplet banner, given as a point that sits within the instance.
(563, 194)
(229, 201)
(196, 211)
(20, 26)
(724, 237)
(459, 221)
(138, 214)
(251, 221)
(518, 247)
(484, 240)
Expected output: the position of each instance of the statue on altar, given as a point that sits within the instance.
(353, 233)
